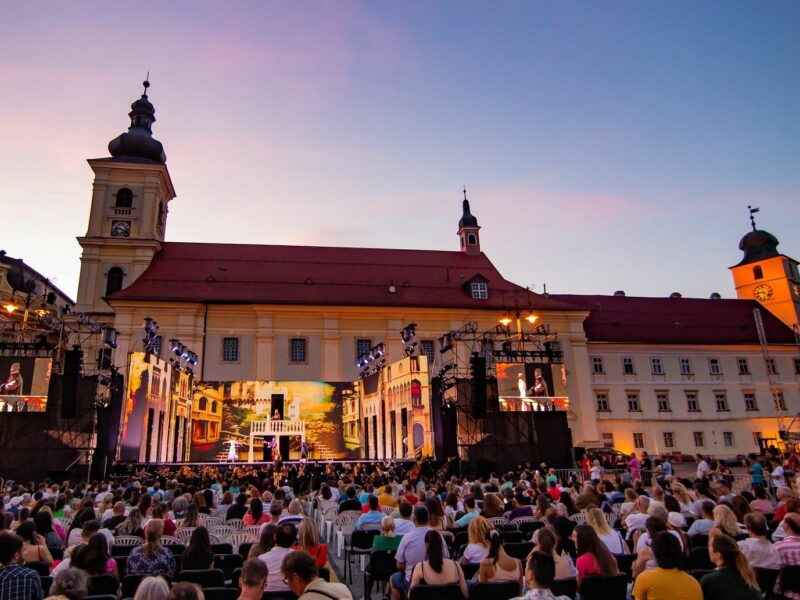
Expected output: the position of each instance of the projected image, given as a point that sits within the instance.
(24, 382)
(288, 420)
(147, 403)
(527, 387)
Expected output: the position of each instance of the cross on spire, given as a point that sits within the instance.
(753, 211)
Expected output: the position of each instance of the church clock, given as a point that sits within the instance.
(762, 292)
(121, 229)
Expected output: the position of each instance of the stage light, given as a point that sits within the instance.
(531, 319)
(149, 324)
(445, 342)
(174, 345)
(110, 337)
(506, 320)
(10, 307)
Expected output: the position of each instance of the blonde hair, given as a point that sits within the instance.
(680, 493)
(478, 530)
(152, 537)
(597, 519)
(387, 526)
(152, 588)
(725, 521)
(307, 534)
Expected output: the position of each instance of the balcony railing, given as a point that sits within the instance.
(278, 427)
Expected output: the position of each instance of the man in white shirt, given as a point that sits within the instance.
(404, 525)
(706, 521)
(757, 549)
(284, 539)
(638, 518)
(702, 467)
(411, 551)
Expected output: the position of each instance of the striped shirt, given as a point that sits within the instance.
(789, 550)
(19, 583)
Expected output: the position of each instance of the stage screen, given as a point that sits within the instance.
(531, 386)
(24, 383)
(223, 412)
(146, 401)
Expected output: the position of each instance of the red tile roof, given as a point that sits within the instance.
(627, 319)
(313, 275)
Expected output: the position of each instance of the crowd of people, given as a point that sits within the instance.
(663, 535)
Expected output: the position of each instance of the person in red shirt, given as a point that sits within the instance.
(594, 558)
(409, 494)
(553, 491)
(783, 494)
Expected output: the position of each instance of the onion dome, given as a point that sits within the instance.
(138, 144)
(467, 219)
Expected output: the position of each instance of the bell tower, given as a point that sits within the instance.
(766, 275)
(468, 229)
(128, 215)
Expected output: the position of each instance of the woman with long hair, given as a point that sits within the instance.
(542, 504)
(22, 516)
(151, 558)
(132, 525)
(93, 557)
(159, 511)
(192, 517)
(593, 556)
(308, 540)
(682, 496)
(498, 566)
(478, 542)
(493, 506)
(145, 502)
(546, 540)
(612, 538)
(733, 578)
(44, 527)
(265, 542)
(436, 519)
(198, 554)
(725, 522)
(224, 505)
(200, 501)
(255, 514)
(436, 569)
(566, 507)
(34, 548)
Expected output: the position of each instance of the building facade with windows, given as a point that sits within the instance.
(643, 373)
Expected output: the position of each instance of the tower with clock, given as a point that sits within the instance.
(766, 275)
(128, 216)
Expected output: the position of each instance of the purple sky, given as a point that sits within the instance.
(604, 146)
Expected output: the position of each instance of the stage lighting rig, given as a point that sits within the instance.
(110, 336)
(408, 335)
(185, 358)
(150, 339)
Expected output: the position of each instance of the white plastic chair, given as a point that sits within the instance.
(170, 539)
(239, 538)
(253, 531)
(223, 532)
(343, 526)
(579, 518)
(128, 541)
(328, 515)
(213, 522)
(184, 534)
(237, 524)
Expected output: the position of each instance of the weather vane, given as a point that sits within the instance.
(752, 218)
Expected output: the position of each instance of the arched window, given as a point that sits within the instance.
(757, 272)
(214, 406)
(202, 403)
(124, 198)
(472, 239)
(114, 282)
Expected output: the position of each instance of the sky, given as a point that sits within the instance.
(603, 145)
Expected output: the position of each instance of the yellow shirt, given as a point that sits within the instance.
(666, 584)
(386, 500)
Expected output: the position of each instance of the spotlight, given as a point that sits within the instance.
(110, 336)
(506, 320)
(445, 342)
(174, 345)
(149, 324)
(531, 319)
(10, 307)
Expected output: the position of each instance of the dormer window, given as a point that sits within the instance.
(480, 291)
(124, 198)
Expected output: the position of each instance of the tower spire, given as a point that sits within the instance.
(138, 143)
(468, 229)
(752, 218)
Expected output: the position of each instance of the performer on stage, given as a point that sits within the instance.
(539, 389)
(303, 451)
(522, 385)
(232, 445)
(13, 384)
(276, 416)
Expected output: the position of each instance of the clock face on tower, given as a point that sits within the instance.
(762, 292)
(120, 229)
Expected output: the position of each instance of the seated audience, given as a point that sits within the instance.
(299, 570)
(151, 558)
(198, 554)
(757, 549)
(252, 579)
(478, 544)
(733, 579)
(387, 540)
(666, 580)
(498, 566)
(435, 569)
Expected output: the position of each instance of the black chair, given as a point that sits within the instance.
(699, 559)
(57, 552)
(235, 577)
(203, 577)
(47, 581)
(512, 537)
(100, 585)
(436, 592)
(222, 548)
(278, 596)
(766, 580)
(460, 539)
(130, 583)
(699, 541)
(228, 562)
(40, 567)
(699, 573)
(529, 528)
(220, 593)
(121, 550)
(470, 569)
(324, 573)
(494, 591)
(122, 564)
(518, 550)
(565, 587)
(102, 597)
(176, 548)
(789, 579)
(360, 543)
(605, 588)
(625, 563)
(381, 567)
(244, 549)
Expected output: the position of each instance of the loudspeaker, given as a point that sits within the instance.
(70, 383)
(477, 365)
(553, 439)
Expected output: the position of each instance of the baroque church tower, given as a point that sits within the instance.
(766, 275)
(128, 215)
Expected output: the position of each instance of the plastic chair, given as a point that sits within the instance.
(360, 545)
(122, 564)
(130, 583)
(203, 577)
(253, 531)
(237, 524)
(127, 540)
(169, 540)
(518, 550)
(103, 584)
(227, 563)
(528, 527)
(237, 575)
(494, 591)
(222, 548)
(470, 569)
(625, 563)
(766, 580)
(382, 565)
(511, 537)
(578, 518)
(244, 549)
(220, 593)
(388, 510)
(238, 538)
(699, 573)
(435, 592)
(102, 597)
(699, 559)
(698, 541)
(344, 525)
(565, 587)
(223, 532)
(213, 521)
(184, 534)
(789, 579)
(499, 521)
(605, 588)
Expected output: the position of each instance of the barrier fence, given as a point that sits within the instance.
(739, 482)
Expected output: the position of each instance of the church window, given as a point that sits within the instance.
(480, 291)
(472, 239)
(124, 198)
(230, 349)
(363, 346)
(427, 350)
(114, 282)
(757, 272)
(297, 350)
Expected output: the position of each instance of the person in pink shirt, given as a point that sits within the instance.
(594, 558)
(635, 466)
